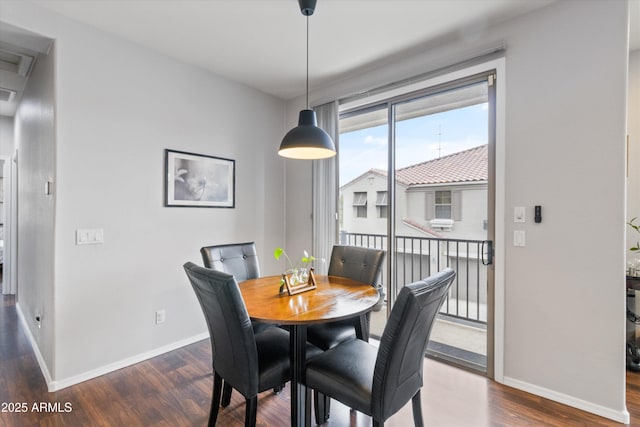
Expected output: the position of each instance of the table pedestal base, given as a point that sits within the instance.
(300, 395)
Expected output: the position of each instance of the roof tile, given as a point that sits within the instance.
(465, 166)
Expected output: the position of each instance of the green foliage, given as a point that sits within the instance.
(277, 253)
(304, 261)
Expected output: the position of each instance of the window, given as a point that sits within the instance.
(443, 204)
(381, 204)
(360, 203)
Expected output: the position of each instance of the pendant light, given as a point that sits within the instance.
(307, 140)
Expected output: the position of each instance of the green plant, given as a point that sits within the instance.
(637, 228)
(304, 261)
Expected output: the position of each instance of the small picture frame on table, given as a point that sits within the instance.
(302, 287)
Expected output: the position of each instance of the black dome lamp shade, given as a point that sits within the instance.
(307, 140)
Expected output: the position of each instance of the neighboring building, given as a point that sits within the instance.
(444, 197)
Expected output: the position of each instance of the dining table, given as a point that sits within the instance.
(334, 298)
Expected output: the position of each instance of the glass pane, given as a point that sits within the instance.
(441, 141)
(443, 211)
(362, 164)
(359, 199)
(443, 197)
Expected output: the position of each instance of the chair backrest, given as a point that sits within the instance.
(357, 263)
(398, 371)
(233, 346)
(238, 259)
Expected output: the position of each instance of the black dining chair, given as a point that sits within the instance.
(241, 261)
(250, 363)
(357, 263)
(237, 259)
(380, 381)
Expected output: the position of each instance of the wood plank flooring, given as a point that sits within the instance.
(174, 390)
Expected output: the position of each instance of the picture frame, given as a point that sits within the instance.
(198, 180)
(302, 287)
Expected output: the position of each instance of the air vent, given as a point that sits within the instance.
(442, 224)
(6, 95)
(15, 62)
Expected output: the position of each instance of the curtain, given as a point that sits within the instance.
(324, 182)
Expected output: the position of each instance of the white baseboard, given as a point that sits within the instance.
(34, 346)
(619, 416)
(94, 373)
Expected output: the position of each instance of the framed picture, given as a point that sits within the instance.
(198, 180)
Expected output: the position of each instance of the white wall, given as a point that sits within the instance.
(298, 192)
(36, 145)
(560, 121)
(412, 205)
(565, 106)
(118, 106)
(6, 137)
(633, 159)
(369, 183)
(472, 207)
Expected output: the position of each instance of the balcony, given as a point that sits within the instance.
(460, 332)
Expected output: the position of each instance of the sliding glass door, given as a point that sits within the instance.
(433, 211)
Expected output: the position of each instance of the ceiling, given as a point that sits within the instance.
(261, 43)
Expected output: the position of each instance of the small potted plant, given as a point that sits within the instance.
(299, 272)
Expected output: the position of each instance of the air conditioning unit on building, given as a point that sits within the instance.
(442, 224)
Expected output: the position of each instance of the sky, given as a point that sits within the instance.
(417, 140)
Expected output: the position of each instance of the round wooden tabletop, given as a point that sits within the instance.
(335, 298)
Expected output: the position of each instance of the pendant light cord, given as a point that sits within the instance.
(307, 62)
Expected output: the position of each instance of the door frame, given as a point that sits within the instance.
(10, 175)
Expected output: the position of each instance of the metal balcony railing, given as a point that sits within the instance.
(419, 257)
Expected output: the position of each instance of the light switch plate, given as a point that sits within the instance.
(519, 238)
(519, 214)
(94, 236)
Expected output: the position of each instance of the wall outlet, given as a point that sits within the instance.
(161, 316)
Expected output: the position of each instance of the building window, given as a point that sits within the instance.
(381, 204)
(360, 203)
(443, 204)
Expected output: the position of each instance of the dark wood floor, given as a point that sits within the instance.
(174, 389)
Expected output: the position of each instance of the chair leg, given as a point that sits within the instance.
(307, 407)
(215, 399)
(251, 412)
(417, 410)
(378, 423)
(226, 394)
(322, 406)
